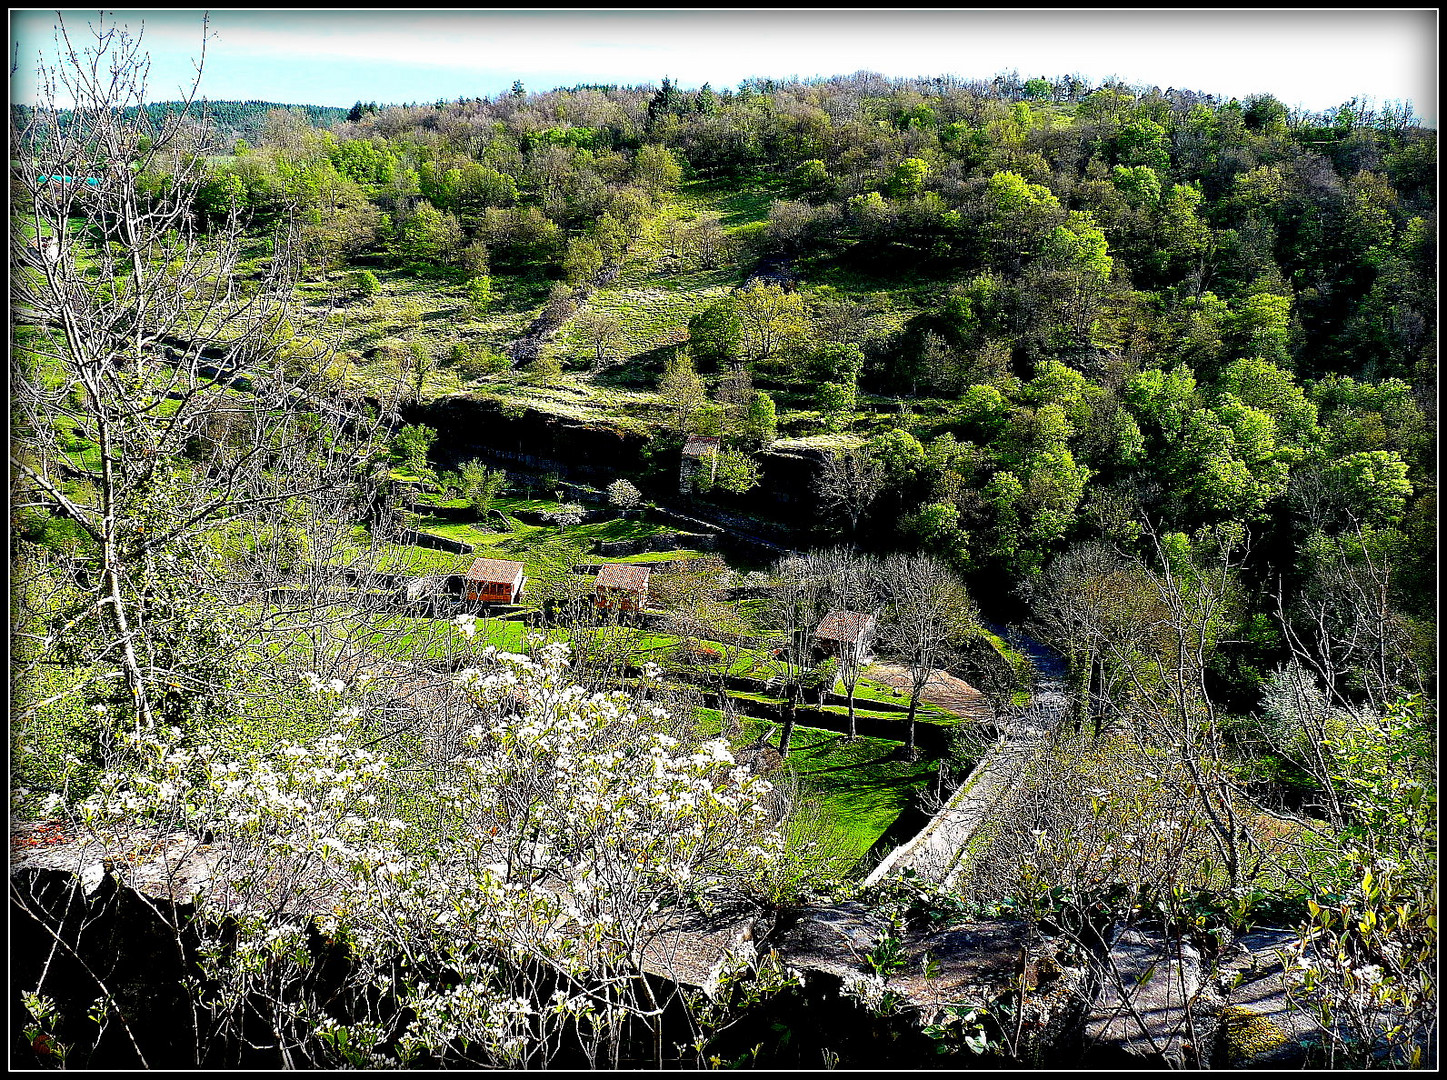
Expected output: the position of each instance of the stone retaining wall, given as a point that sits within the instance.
(432, 540)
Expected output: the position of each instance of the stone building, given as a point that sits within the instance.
(700, 454)
(621, 587)
(844, 630)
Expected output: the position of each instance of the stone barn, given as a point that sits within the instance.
(841, 631)
(700, 454)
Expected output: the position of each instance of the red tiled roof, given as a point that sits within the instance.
(844, 625)
(623, 576)
(495, 570)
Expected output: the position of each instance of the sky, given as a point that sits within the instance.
(1315, 59)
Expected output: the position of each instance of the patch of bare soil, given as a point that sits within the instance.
(942, 689)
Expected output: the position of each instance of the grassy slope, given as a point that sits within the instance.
(503, 536)
(859, 785)
(654, 295)
(652, 298)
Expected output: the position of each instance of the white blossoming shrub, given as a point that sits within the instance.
(567, 835)
(624, 495)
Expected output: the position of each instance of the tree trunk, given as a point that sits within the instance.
(790, 707)
(913, 705)
(1098, 714)
(852, 732)
(1081, 705)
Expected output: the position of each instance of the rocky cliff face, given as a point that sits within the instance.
(599, 453)
(529, 439)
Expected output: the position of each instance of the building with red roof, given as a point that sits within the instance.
(622, 587)
(494, 581)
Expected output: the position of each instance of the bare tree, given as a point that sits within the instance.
(852, 584)
(848, 482)
(1099, 608)
(1154, 650)
(1346, 626)
(798, 603)
(709, 240)
(734, 392)
(1353, 654)
(168, 406)
(928, 614)
(603, 331)
(709, 629)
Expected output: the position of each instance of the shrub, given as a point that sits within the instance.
(476, 361)
(365, 283)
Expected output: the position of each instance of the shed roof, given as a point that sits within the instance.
(623, 576)
(845, 625)
(698, 445)
(495, 570)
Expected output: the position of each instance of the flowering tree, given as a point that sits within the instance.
(566, 516)
(624, 496)
(505, 904)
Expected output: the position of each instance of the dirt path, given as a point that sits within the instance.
(942, 689)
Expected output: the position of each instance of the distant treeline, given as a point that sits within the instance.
(231, 119)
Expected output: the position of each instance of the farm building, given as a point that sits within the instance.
(622, 587)
(841, 630)
(494, 581)
(700, 454)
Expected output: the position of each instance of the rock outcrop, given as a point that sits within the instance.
(1156, 1004)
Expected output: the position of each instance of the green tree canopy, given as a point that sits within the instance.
(716, 335)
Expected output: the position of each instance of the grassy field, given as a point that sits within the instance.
(867, 690)
(501, 535)
(859, 786)
(520, 539)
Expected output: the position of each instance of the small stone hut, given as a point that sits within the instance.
(700, 454)
(494, 581)
(622, 587)
(844, 631)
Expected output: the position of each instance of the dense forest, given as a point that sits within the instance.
(1134, 307)
(1142, 378)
